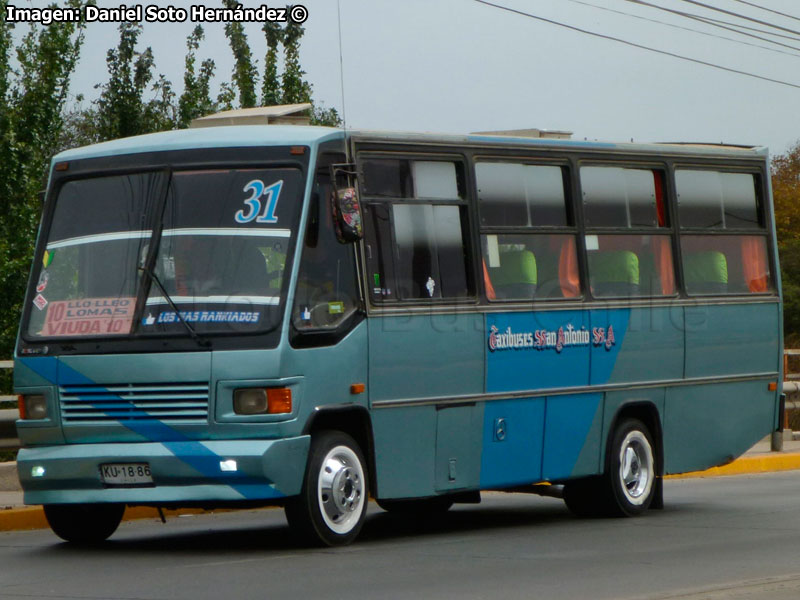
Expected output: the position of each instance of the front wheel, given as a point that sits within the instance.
(84, 523)
(632, 469)
(332, 504)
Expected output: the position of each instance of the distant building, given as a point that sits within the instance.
(284, 114)
(529, 133)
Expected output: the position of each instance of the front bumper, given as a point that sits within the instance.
(183, 472)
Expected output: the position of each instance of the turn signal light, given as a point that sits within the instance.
(773, 386)
(279, 401)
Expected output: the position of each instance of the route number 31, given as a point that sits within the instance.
(261, 197)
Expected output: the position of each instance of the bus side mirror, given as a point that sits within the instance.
(347, 215)
(345, 205)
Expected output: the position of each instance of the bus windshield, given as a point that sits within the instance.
(217, 241)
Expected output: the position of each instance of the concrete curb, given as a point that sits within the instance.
(767, 463)
(25, 518)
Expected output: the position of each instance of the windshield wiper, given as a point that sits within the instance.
(195, 336)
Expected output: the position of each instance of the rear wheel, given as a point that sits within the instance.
(332, 504)
(628, 486)
(84, 523)
(632, 469)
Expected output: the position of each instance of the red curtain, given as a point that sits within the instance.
(662, 253)
(568, 269)
(754, 263)
(488, 283)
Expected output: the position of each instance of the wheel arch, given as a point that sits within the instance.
(646, 412)
(355, 421)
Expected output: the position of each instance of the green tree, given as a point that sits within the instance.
(295, 88)
(286, 87)
(79, 127)
(33, 96)
(270, 90)
(786, 193)
(196, 98)
(245, 72)
(122, 109)
(328, 117)
(786, 197)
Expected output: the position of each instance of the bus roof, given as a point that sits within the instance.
(208, 137)
(475, 139)
(281, 135)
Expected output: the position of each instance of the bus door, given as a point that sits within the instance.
(425, 336)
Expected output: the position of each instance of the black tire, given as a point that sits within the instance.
(84, 523)
(586, 497)
(625, 489)
(332, 504)
(631, 469)
(417, 507)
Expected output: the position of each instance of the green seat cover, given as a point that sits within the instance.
(705, 267)
(516, 266)
(614, 266)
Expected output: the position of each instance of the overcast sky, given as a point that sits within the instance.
(461, 66)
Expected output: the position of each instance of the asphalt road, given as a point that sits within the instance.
(726, 537)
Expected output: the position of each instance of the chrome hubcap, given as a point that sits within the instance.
(636, 470)
(341, 489)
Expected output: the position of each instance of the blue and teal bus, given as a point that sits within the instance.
(307, 317)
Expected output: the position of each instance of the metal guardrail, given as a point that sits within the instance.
(7, 364)
(8, 417)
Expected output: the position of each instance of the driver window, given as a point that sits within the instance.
(326, 293)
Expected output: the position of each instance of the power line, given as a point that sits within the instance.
(640, 46)
(717, 23)
(740, 16)
(777, 12)
(739, 26)
(706, 33)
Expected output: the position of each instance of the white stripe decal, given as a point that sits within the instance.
(100, 237)
(260, 300)
(232, 231)
(139, 235)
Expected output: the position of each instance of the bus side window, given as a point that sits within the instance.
(326, 293)
(724, 239)
(527, 232)
(415, 250)
(636, 259)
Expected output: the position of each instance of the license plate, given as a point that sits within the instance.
(126, 474)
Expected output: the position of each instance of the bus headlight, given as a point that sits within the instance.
(262, 401)
(32, 407)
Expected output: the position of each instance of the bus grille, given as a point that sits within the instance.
(182, 402)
